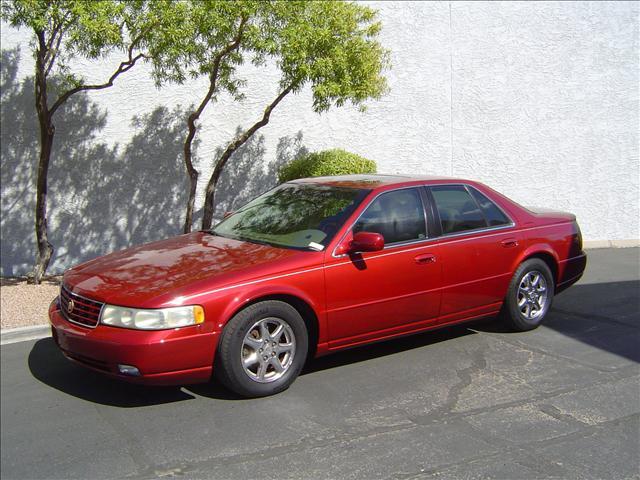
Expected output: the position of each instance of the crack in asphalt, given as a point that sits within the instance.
(441, 413)
(535, 399)
(465, 376)
(520, 344)
(536, 463)
(304, 444)
(558, 414)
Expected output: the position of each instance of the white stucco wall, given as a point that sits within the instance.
(539, 100)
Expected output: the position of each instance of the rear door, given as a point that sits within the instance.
(478, 248)
(375, 294)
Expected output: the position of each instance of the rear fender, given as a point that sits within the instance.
(536, 249)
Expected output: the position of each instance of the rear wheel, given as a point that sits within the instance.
(529, 296)
(262, 349)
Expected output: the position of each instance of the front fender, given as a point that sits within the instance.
(307, 287)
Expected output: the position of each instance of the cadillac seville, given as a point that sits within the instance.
(311, 267)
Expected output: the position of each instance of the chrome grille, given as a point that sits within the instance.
(85, 312)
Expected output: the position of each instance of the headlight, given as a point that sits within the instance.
(156, 319)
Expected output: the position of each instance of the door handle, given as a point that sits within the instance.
(425, 258)
(509, 243)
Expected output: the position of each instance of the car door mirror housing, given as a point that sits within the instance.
(366, 242)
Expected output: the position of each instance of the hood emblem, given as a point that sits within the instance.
(70, 306)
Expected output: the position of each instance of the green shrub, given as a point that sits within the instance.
(325, 163)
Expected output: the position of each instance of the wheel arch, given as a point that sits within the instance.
(302, 305)
(547, 255)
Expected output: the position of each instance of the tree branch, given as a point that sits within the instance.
(57, 32)
(213, 77)
(241, 140)
(53, 54)
(54, 32)
(191, 122)
(226, 155)
(122, 68)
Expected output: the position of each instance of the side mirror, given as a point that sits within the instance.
(366, 242)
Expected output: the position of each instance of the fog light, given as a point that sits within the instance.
(128, 370)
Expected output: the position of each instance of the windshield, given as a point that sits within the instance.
(293, 215)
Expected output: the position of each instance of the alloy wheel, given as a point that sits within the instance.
(532, 294)
(268, 349)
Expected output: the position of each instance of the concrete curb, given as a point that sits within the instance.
(593, 244)
(23, 334)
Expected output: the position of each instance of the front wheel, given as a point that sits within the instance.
(529, 296)
(262, 349)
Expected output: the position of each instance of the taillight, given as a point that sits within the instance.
(578, 237)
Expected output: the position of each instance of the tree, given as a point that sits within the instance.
(203, 38)
(327, 162)
(66, 30)
(333, 47)
(330, 45)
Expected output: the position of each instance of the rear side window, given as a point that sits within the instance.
(397, 215)
(458, 210)
(492, 213)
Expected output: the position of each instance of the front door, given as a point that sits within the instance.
(377, 294)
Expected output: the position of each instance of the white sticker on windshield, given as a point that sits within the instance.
(316, 246)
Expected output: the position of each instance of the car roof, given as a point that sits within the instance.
(371, 181)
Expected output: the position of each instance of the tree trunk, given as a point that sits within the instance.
(192, 172)
(47, 131)
(45, 249)
(45, 59)
(188, 218)
(188, 161)
(209, 199)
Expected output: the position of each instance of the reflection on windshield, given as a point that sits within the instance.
(293, 215)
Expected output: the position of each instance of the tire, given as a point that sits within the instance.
(529, 296)
(254, 362)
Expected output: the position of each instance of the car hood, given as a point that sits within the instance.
(153, 274)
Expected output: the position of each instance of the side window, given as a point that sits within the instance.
(457, 209)
(398, 216)
(493, 214)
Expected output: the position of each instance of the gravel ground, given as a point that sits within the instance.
(24, 304)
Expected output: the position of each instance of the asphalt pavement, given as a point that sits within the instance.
(470, 401)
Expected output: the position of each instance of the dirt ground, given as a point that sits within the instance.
(24, 304)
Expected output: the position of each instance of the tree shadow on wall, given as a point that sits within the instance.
(19, 154)
(128, 195)
(104, 198)
(101, 198)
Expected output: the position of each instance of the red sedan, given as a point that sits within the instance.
(311, 267)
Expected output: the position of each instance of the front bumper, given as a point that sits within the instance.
(163, 357)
